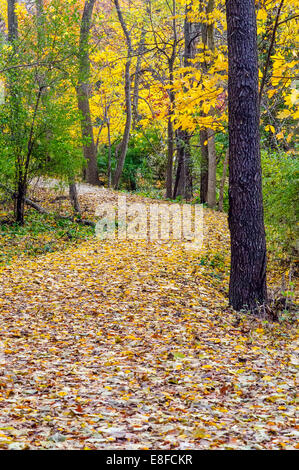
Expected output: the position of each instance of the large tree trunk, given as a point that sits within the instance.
(127, 130)
(83, 91)
(248, 246)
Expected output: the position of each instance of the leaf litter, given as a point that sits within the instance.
(131, 345)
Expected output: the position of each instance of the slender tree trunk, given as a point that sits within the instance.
(204, 165)
(208, 152)
(127, 130)
(136, 116)
(20, 201)
(180, 182)
(39, 5)
(170, 140)
(74, 197)
(212, 156)
(203, 134)
(12, 21)
(222, 183)
(83, 91)
(183, 180)
(183, 183)
(210, 27)
(126, 135)
(109, 153)
(248, 246)
(270, 51)
(170, 131)
(20, 180)
(212, 166)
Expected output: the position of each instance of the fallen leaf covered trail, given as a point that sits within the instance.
(127, 345)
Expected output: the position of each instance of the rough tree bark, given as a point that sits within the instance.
(127, 130)
(83, 91)
(247, 287)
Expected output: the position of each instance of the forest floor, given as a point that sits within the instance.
(129, 344)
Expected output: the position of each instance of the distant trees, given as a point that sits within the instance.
(150, 78)
(248, 245)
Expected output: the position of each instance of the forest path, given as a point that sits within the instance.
(131, 345)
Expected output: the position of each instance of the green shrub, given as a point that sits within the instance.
(280, 190)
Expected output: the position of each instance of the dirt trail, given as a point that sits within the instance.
(130, 345)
